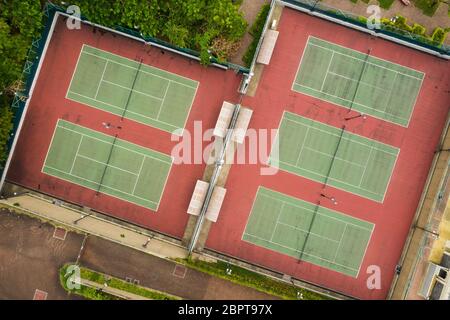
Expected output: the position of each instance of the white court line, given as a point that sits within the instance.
(121, 109)
(365, 167)
(152, 67)
(368, 62)
(197, 85)
(337, 180)
(76, 68)
(105, 186)
(340, 242)
(278, 219)
(360, 82)
(51, 142)
(344, 138)
(380, 117)
(330, 178)
(94, 182)
(76, 154)
(373, 57)
(134, 90)
(195, 89)
(143, 71)
(100, 82)
(121, 147)
(145, 155)
(318, 213)
(331, 156)
(421, 79)
(304, 253)
(390, 94)
(306, 231)
(326, 74)
(138, 175)
(164, 100)
(106, 165)
(303, 145)
(312, 211)
(365, 250)
(356, 103)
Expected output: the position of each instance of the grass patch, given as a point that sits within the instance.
(386, 4)
(114, 283)
(251, 279)
(256, 31)
(428, 7)
(401, 25)
(86, 292)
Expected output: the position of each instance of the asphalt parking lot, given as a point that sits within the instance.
(31, 256)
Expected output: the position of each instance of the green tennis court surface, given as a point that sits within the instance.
(112, 166)
(280, 223)
(330, 72)
(361, 166)
(128, 88)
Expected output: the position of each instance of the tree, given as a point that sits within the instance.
(20, 22)
(195, 24)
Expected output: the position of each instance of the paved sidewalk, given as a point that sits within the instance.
(161, 275)
(97, 226)
(113, 291)
(106, 252)
(250, 9)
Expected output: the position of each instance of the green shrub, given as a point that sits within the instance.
(20, 22)
(252, 279)
(256, 31)
(418, 29)
(438, 36)
(86, 292)
(401, 23)
(401, 26)
(112, 282)
(193, 24)
(385, 4)
(428, 7)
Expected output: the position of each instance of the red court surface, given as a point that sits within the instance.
(418, 142)
(48, 103)
(274, 95)
(40, 295)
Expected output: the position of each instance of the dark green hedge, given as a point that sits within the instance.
(256, 31)
(20, 23)
(193, 24)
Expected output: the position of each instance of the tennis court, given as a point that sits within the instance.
(358, 81)
(331, 155)
(107, 164)
(132, 89)
(282, 223)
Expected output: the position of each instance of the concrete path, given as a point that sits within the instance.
(250, 9)
(112, 291)
(97, 226)
(125, 257)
